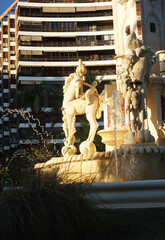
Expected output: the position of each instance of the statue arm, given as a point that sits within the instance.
(87, 84)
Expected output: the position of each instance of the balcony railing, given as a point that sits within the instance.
(80, 1)
(66, 1)
(62, 72)
(67, 44)
(39, 28)
(104, 13)
(65, 58)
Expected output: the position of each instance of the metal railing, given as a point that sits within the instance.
(79, 1)
(67, 1)
(60, 73)
(39, 28)
(65, 58)
(63, 15)
(67, 44)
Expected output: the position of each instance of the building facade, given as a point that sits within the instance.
(43, 41)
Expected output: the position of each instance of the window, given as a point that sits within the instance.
(108, 37)
(6, 98)
(6, 127)
(12, 24)
(12, 34)
(13, 140)
(6, 140)
(152, 27)
(5, 83)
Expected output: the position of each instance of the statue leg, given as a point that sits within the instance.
(141, 127)
(133, 120)
(69, 148)
(93, 127)
(88, 146)
(71, 129)
(65, 125)
(128, 119)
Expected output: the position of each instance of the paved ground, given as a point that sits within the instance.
(141, 224)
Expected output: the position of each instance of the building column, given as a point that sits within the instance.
(154, 107)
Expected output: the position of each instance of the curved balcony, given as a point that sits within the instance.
(64, 19)
(66, 63)
(32, 58)
(65, 3)
(60, 72)
(60, 79)
(64, 28)
(77, 1)
(67, 43)
(65, 34)
(30, 13)
(66, 49)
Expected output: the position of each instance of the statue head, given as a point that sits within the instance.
(81, 69)
(94, 83)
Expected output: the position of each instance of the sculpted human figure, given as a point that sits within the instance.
(134, 64)
(134, 106)
(81, 71)
(127, 106)
(91, 91)
(135, 120)
(137, 66)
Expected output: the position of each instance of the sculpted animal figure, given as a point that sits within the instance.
(75, 103)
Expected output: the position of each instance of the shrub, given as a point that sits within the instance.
(43, 208)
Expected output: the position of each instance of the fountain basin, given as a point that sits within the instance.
(135, 162)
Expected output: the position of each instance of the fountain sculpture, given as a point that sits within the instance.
(131, 131)
(76, 102)
(132, 156)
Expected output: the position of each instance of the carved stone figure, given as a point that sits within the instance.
(76, 102)
(136, 67)
(127, 106)
(135, 114)
(91, 91)
(134, 106)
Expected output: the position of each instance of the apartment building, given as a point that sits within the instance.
(42, 41)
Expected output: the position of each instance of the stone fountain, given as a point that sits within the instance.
(131, 153)
(133, 134)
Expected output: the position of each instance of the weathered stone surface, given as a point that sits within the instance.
(144, 163)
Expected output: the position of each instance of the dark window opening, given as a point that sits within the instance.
(163, 108)
(152, 27)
